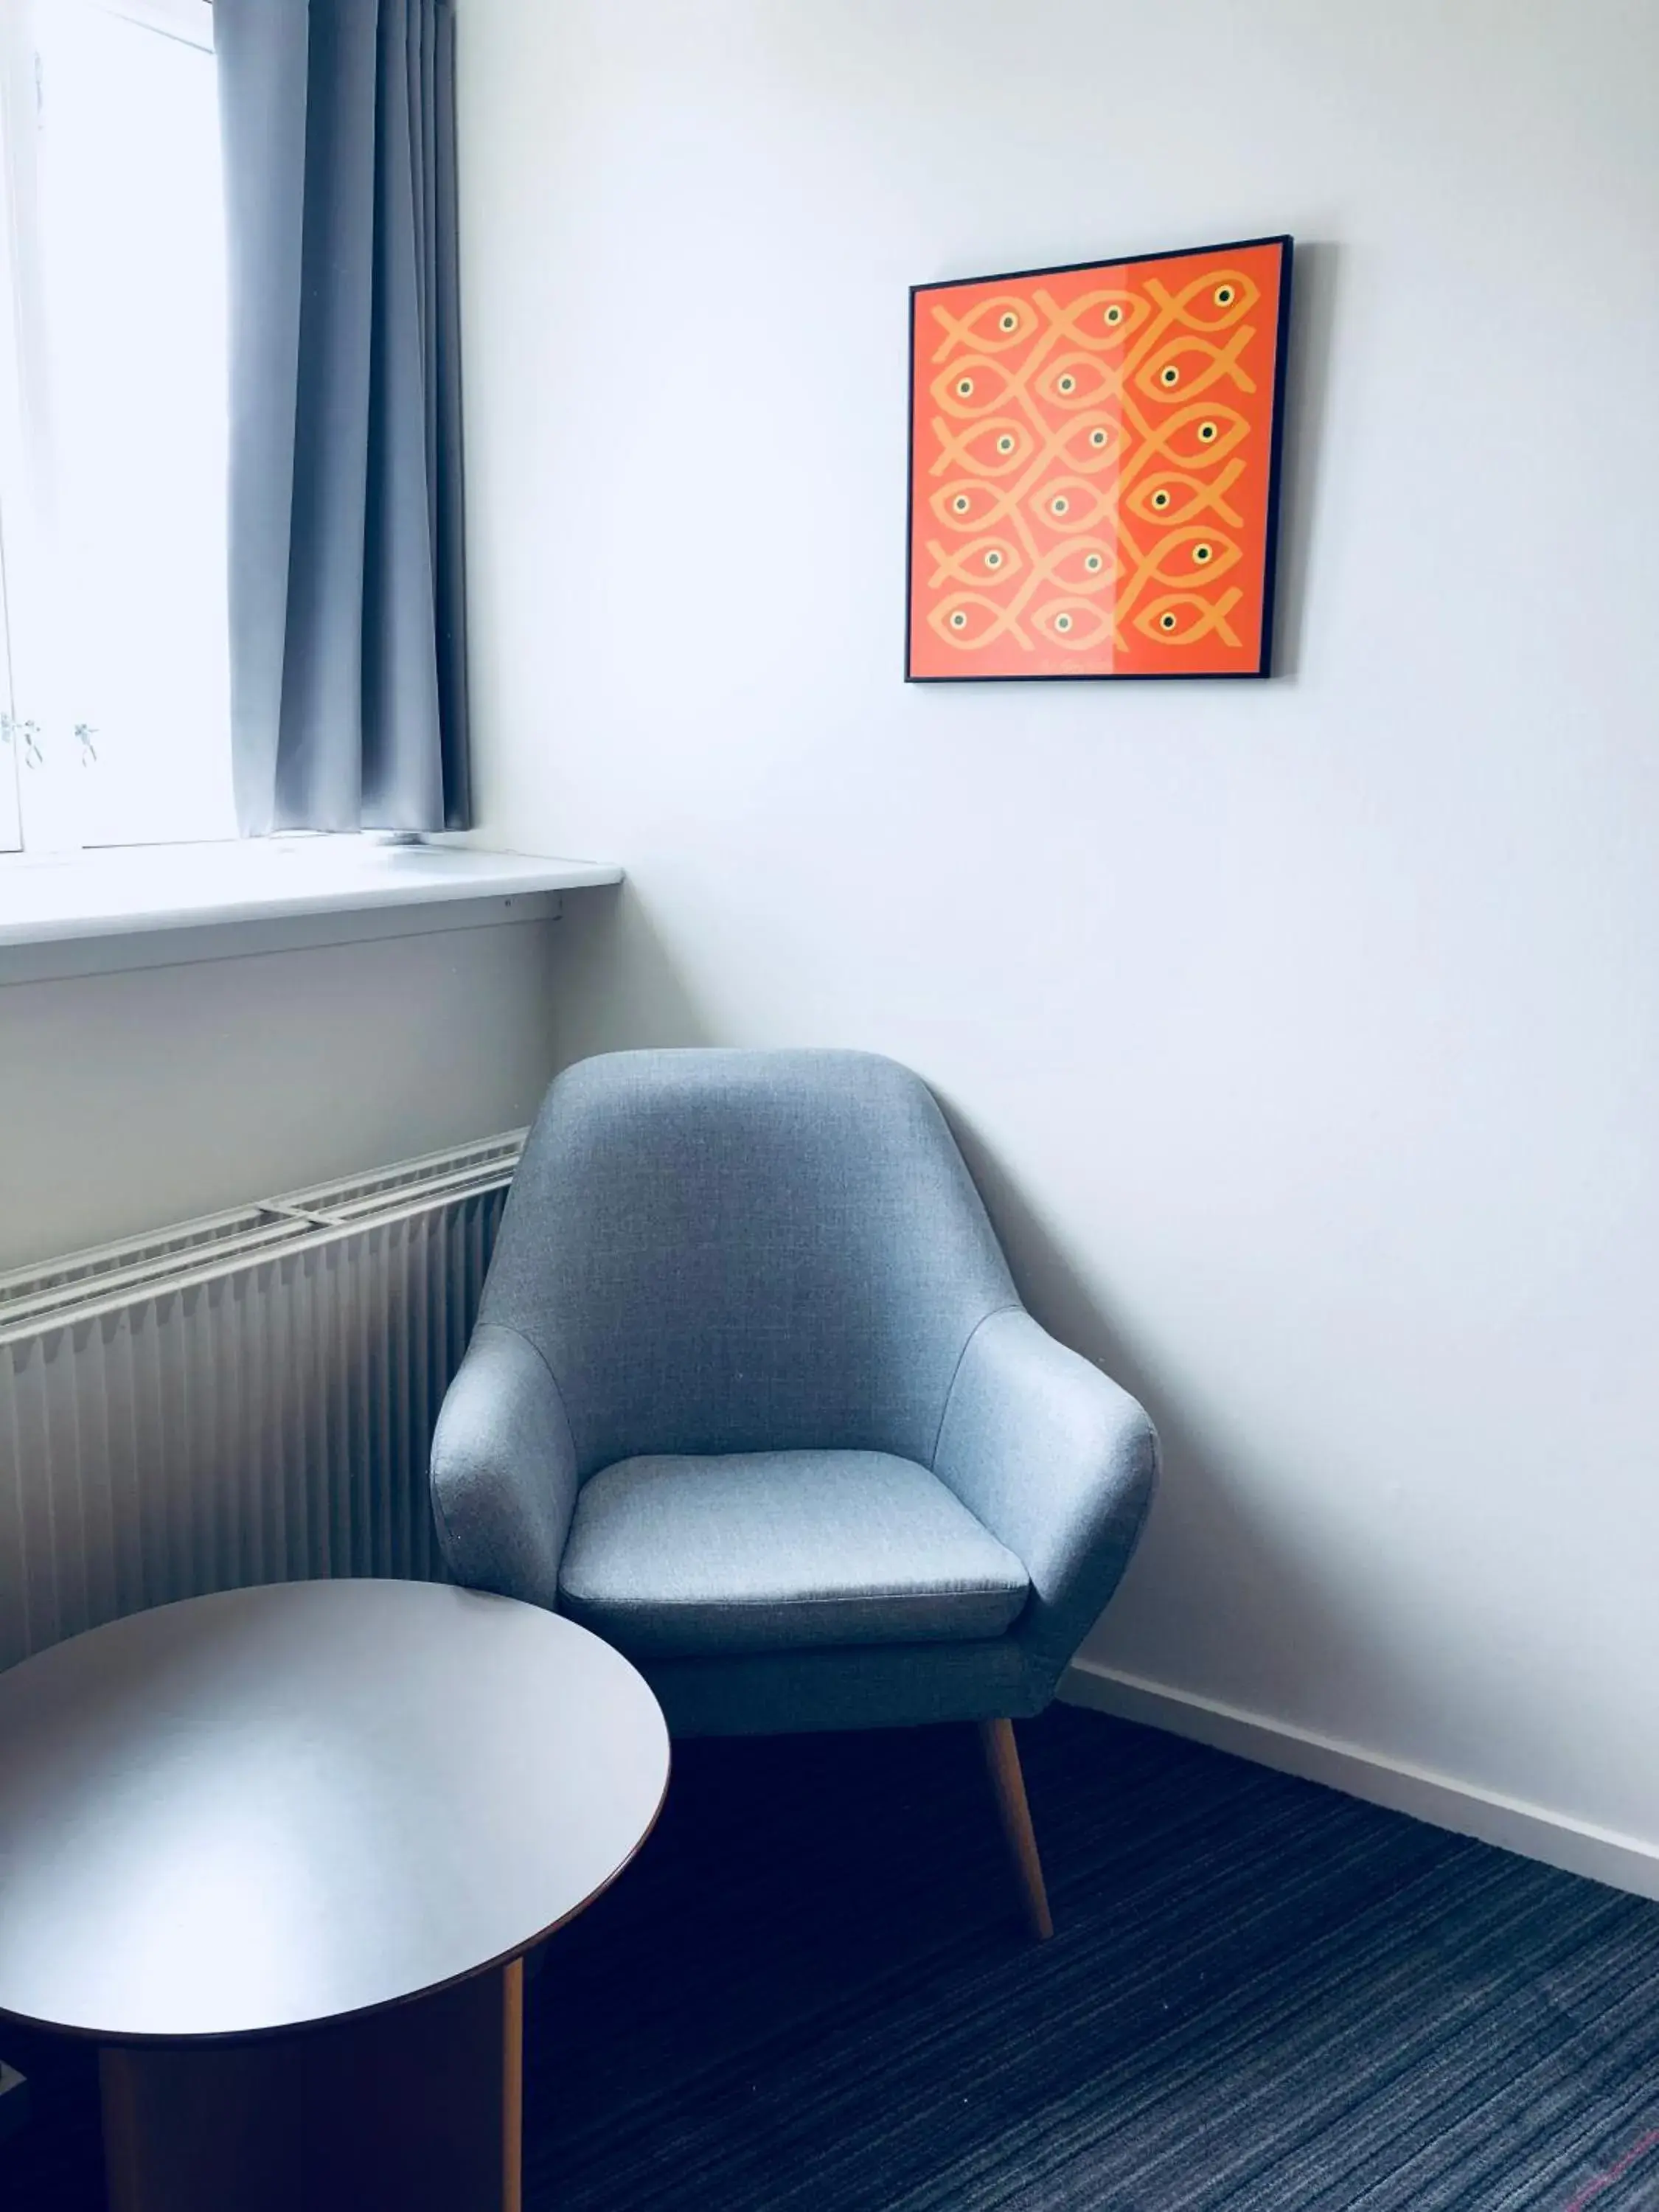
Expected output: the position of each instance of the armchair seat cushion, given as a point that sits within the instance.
(774, 1551)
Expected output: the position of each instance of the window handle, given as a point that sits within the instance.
(12, 729)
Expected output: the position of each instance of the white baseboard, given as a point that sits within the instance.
(1623, 1862)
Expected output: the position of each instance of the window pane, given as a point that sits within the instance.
(132, 258)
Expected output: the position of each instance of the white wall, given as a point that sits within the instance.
(1304, 1031)
(130, 1101)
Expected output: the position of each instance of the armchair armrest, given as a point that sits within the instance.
(504, 1469)
(1059, 1463)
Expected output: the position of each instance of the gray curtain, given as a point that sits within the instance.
(348, 639)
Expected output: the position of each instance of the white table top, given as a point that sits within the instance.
(244, 1813)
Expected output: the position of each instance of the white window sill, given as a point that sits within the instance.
(143, 906)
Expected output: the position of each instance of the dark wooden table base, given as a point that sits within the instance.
(419, 2106)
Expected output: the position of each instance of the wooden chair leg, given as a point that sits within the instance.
(1002, 1758)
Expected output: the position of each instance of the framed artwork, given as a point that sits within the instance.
(1094, 468)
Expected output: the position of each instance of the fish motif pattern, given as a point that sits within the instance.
(1092, 453)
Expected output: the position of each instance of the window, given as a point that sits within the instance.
(112, 428)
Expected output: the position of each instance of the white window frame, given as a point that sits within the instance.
(39, 741)
(21, 392)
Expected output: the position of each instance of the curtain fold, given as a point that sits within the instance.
(348, 697)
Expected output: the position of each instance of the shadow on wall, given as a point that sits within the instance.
(616, 986)
(1220, 1559)
(1314, 282)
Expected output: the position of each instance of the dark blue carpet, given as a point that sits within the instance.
(812, 1991)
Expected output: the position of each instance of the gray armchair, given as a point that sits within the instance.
(753, 1396)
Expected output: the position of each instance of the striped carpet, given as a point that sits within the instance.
(811, 1994)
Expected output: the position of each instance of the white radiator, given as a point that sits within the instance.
(245, 1399)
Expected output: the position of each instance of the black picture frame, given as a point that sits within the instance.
(1285, 243)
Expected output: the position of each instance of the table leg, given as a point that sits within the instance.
(512, 2086)
(420, 2107)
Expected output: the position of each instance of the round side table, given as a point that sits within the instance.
(280, 1852)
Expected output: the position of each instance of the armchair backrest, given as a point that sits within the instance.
(724, 1251)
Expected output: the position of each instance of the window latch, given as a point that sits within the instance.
(11, 730)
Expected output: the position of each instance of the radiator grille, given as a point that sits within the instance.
(242, 1399)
